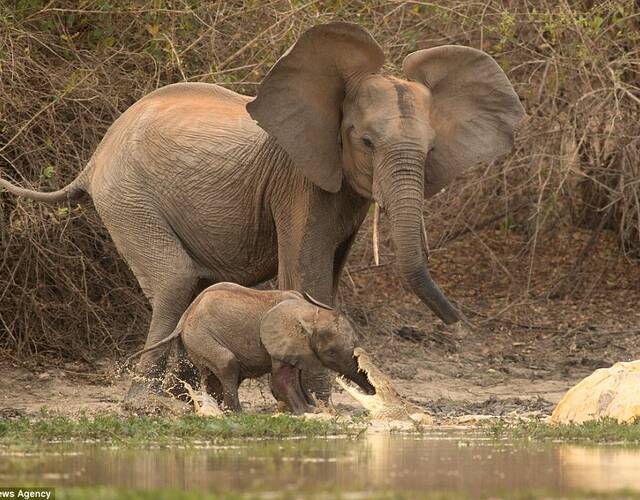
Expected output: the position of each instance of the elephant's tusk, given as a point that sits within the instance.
(374, 235)
(425, 240)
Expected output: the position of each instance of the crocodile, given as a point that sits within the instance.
(386, 403)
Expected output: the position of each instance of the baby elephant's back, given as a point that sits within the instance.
(231, 314)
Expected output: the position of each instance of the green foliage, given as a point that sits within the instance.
(507, 224)
(163, 430)
(596, 431)
(48, 172)
(506, 29)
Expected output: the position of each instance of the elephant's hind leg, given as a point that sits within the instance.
(223, 364)
(168, 277)
(169, 302)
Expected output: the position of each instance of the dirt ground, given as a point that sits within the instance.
(533, 334)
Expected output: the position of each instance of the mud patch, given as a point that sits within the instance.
(524, 352)
(22, 393)
(491, 406)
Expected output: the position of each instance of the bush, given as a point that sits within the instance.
(67, 72)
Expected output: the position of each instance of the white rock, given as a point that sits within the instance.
(608, 392)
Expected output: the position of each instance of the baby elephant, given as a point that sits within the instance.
(232, 333)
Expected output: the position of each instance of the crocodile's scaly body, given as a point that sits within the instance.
(386, 403)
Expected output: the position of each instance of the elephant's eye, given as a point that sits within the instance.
(367, 142)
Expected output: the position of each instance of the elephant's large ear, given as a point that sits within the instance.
(299, 102)
(474, 112)
(286, 329)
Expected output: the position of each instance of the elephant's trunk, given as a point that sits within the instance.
(400, 187)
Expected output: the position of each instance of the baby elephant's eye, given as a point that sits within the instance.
(367, 142)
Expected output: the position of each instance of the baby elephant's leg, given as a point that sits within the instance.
(224, 365)
(208, 407)
(285, 386)
(214, 387)
(209, 382)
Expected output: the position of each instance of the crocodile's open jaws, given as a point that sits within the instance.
(386, 403)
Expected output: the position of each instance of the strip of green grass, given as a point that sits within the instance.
(162, 430)
(600, 431)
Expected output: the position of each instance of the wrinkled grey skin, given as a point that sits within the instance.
(197, 184)
(232, 333)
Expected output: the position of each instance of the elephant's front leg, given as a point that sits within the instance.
(313, 274)
(306, 264)
(317, 281)
(307, 243)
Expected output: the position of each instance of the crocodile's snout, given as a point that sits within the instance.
(360, 377)
(385, 403)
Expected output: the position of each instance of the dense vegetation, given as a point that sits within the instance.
(137, 431)
(595, 431)
(68, 69)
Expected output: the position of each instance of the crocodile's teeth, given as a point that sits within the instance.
(352, 389)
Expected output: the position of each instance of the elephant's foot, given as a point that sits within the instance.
(147, 399)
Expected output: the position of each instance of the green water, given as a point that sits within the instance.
(454, 462)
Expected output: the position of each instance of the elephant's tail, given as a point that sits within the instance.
(176, 332)
(174, 335)
(71, 192)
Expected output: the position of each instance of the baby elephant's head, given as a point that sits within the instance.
(304, 333)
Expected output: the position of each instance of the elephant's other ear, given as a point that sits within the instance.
(474, 112)
(285, 332)
(299, 102)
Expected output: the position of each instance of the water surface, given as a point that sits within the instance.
(456, 462)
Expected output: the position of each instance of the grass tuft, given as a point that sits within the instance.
(162, 430)
(598, 431)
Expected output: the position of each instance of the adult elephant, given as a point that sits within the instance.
(197, 184)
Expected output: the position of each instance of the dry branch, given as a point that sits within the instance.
(67, 72)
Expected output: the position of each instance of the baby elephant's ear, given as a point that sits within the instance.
(285, 332)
